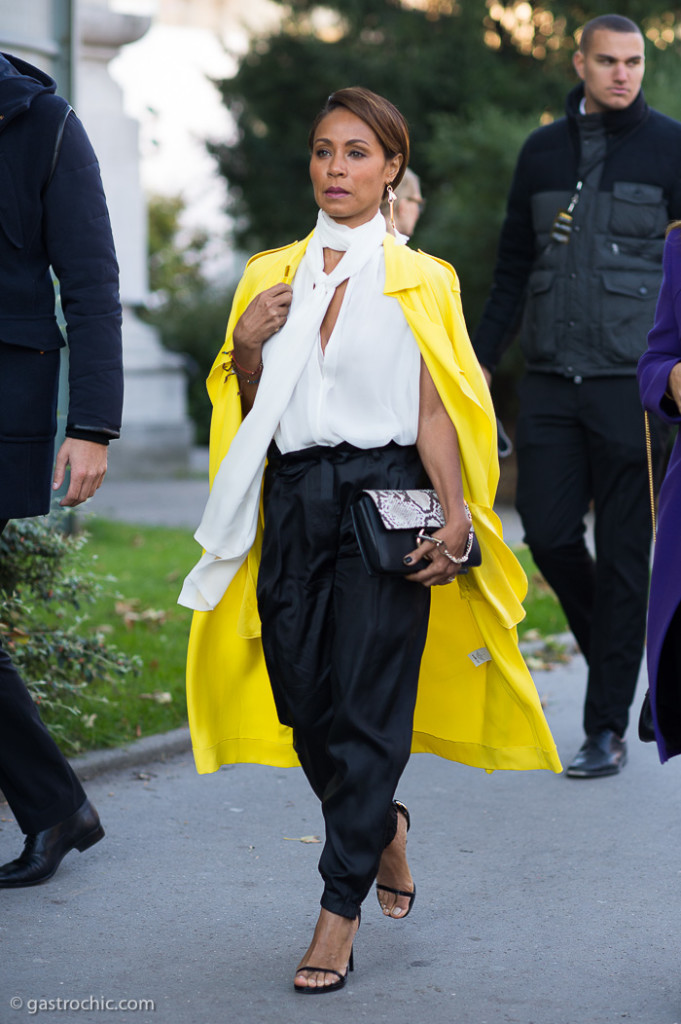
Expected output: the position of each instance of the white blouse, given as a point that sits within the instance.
(364, 387)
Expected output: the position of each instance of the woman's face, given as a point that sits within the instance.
(348, 168)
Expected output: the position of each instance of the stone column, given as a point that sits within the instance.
(157, 435)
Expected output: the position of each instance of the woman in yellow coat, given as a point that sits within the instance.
(347, 366)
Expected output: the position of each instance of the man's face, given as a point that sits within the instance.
(612, 70)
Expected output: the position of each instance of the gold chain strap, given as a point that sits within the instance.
(651, 485)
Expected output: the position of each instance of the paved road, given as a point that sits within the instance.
(541, 900)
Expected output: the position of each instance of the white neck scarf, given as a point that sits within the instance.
(227, 529)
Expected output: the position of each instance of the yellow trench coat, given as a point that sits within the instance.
(476, 699)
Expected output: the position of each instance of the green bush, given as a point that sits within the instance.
(44, 590)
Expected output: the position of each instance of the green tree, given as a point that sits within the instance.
(473, 78)
(189, 310)
(429, 62)
(435, 59)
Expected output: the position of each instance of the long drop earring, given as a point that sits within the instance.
(391, 203)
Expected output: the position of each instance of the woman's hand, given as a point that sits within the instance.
(674, 385)
(438, 446)
(264, 316)
(442, 570)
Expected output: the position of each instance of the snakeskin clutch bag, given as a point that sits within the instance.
(387, 524)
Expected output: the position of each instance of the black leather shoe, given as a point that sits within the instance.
(602, 753)
(44, 851)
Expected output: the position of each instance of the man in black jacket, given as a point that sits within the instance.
(579, 265)
(53, 214)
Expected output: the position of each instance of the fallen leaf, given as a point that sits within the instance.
(533, 662)
(128, 611)
(160, 696)
(303, 839)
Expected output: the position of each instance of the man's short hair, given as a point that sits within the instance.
(410, 184)
(609, 22)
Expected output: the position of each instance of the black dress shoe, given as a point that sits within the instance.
(602, 753)
(44, 851)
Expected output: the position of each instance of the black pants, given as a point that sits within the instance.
(577, 443)
(343, 651)
(37, 781)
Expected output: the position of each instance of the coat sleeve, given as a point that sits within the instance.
(515, 256)
(664, 340)
(80, 247)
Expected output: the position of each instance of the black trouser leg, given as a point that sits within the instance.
(623, 535)
(577, 443)
(570, 571)
(554, 491)
(36, 779)
(343, 651)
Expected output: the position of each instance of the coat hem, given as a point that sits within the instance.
(239, 750)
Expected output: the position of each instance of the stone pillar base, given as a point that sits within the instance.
(150, 453)
(156, 436)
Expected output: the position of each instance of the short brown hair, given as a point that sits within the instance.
(379, 114)
(609, 22)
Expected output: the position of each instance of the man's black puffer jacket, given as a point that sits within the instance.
(585, 308)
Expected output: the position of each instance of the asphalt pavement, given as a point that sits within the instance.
(540, 899)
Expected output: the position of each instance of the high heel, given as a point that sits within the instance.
(319, 990)
(411, 895)
(404, 811)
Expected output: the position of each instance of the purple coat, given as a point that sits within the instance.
(664, 350)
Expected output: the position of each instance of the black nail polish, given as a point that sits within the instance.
(407, 559)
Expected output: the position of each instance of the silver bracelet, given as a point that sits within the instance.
(464, 557)
(440, 544)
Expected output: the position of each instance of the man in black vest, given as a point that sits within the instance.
(53, 214)
(579, 266)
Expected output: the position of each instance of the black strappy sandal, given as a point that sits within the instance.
(319, 990)
(411, 896)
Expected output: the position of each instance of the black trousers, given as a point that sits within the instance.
(36, 779)
(579, 442)
(343, 651)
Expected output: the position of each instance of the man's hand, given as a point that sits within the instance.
(487, 375)
(87, 461)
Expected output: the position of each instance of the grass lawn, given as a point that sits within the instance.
(141, 617)
(544, 615)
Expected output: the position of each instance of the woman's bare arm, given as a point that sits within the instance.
(438, 446)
